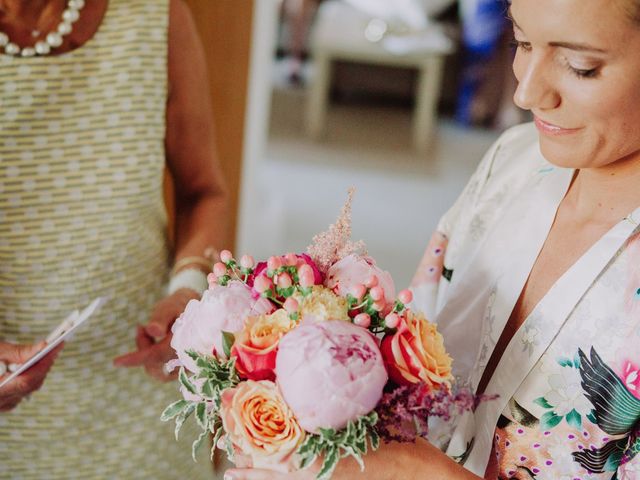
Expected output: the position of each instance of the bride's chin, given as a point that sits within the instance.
(564, 156)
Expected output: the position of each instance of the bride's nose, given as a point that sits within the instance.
(535, 85)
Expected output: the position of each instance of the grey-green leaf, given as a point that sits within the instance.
(193, 355)
(228, 339)
(197, 444)
(307, 461)
(375, 440)
(329, 464)
(173, 410)
(180, 419)
(208, 389)
(184, 380)
(201, 415)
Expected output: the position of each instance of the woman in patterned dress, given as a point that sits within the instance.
(534, 274)
(96, 98)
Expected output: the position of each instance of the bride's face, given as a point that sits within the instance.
(578, 68)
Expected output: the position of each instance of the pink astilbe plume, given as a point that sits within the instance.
(334, 244)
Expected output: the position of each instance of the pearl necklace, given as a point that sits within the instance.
(53, 40)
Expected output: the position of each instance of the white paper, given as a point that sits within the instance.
(62, 332)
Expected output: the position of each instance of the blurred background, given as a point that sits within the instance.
(399, 99)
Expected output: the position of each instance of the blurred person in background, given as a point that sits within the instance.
(533, 276)
(96, 99)
(298, 16)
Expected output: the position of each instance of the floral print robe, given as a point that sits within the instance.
(569, 380)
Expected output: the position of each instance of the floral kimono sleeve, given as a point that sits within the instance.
(434, 271)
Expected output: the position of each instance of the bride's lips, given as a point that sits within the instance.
(551, 129)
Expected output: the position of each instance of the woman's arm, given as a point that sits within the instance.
(392, 461)
(200, 191)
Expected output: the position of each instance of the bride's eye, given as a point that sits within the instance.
(520, 45)
(583, 73)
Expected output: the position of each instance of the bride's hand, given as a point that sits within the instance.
(390, 462)
(259, 474)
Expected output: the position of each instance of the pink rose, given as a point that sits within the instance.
(256, 346)
(416, 353)
(221, 309)
(346, 275)
(330, 373)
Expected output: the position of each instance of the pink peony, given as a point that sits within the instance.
(346, 275)
(200, 326)
(330, 373)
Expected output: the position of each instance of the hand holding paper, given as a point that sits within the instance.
(35, 354)
(13, 393)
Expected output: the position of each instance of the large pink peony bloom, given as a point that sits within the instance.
(330, 373)
(200, 326)
(353, 270)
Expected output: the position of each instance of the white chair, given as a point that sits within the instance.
(340, 33)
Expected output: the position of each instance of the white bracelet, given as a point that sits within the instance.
(191, 278)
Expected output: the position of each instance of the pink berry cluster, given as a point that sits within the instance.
(284, 276)
(228, 268)
(278, 279)
(370, 309)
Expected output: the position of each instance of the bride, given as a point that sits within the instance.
(534, 274)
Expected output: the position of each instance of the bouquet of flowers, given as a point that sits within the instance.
(309, 356)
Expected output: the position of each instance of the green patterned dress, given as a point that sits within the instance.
(81, 216)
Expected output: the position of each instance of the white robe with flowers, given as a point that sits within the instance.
(569, 380)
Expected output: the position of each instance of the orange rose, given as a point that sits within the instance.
(261, 426)
(416, 353)
(256, 346)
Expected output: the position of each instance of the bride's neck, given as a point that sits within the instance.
(606, 194)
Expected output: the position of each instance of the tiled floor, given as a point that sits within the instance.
(301, 185)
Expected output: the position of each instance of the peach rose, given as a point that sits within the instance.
(416, 353)
(256, 346)
(261, 426)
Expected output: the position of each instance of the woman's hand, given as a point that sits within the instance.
(259, 474)
(31, 380)
(392, 461)
(153, 341)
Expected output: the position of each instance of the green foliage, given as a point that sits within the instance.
(182, 417)
(228, 339)
(173, 410)
(186, 383)
(398, 306)
(286, 292)
(217, 375)
(334, 445)
(351, 301)
(201, 415)
(197, 444)
(305, 291)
